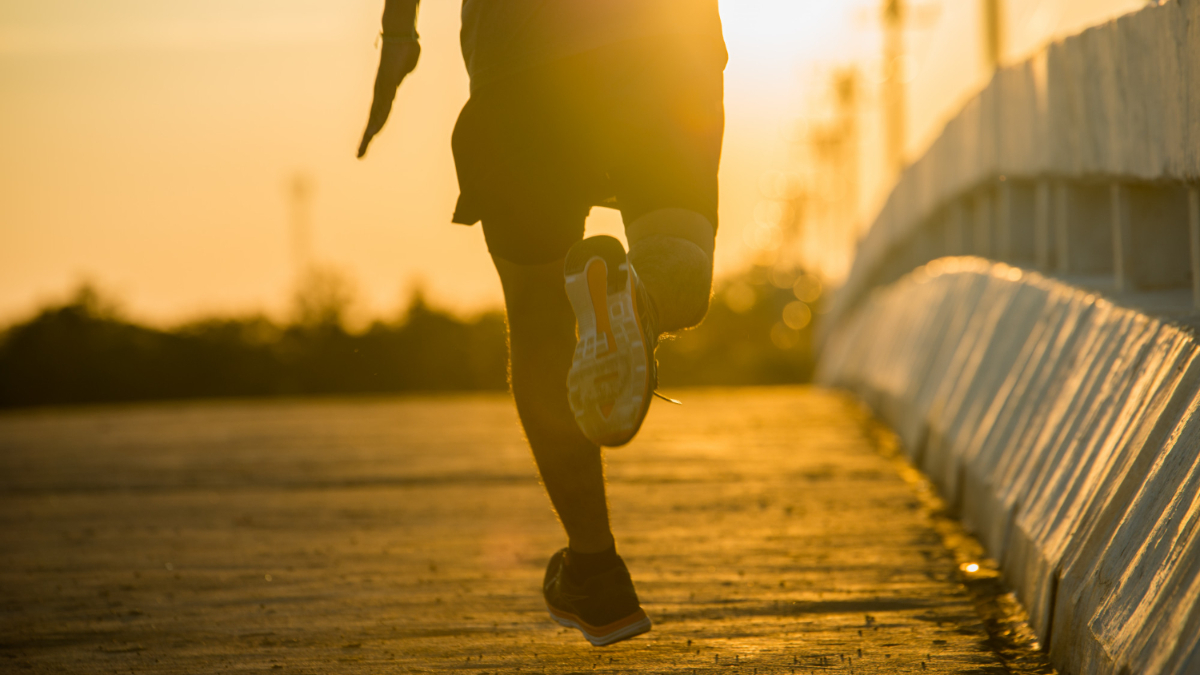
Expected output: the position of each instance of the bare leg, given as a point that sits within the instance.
(541, 339)
(672, 251)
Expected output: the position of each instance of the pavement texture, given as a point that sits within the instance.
(765, 529)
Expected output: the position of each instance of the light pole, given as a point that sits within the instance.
(300, 191)
(895, 118)
(993, 33)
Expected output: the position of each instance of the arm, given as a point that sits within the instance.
(400, 18)
(397, 59)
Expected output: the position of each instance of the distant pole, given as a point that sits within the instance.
(300, 192)
(894, 113)
(847, 87)
(993, 33)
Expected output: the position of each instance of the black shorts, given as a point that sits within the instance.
(636, 126)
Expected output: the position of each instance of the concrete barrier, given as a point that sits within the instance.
(1061, 426)
(1063, 430)
(1082, 161)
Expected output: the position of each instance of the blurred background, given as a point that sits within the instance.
(181, 213)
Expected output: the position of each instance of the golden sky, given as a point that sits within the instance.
(148, 145)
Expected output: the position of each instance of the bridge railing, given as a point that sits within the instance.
(1082, 162)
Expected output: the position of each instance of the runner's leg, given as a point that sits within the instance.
(541, 338)
(672, 251)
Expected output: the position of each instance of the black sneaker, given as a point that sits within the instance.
(605, 607)
(613, 372)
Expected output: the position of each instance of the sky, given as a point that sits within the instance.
(148, 146)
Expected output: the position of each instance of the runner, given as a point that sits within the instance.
(575, 104)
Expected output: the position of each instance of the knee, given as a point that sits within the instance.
(677, 223)
(536, 305)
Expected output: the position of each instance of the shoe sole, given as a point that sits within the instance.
(632, 625)
(608, 384)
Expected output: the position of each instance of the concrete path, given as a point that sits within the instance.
(765, 532)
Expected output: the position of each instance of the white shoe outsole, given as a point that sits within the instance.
(625, 632)
(609, 378)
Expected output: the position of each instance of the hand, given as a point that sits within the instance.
(397, 59)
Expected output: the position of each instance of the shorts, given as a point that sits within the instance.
(636, 126)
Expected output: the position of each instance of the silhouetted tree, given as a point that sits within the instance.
(85, 350)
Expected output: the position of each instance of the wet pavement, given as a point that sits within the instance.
(765, 529)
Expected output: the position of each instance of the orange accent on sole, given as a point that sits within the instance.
(597, 279)
(599, 631)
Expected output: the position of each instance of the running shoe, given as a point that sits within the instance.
(604, 608)
(613, 373)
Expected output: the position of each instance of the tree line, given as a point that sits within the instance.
(85, 350)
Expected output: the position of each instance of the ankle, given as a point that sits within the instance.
(583, 566)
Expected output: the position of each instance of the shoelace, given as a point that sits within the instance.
(668, 399)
